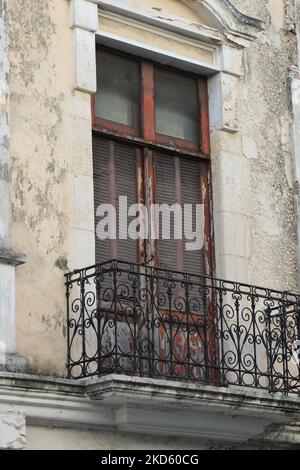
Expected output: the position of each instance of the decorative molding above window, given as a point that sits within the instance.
(155, 42)
(206, 37)
(224, 16)
(219, 16)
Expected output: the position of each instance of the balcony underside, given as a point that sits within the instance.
(154, 407)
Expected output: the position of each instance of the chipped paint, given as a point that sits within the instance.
(50, 146)
(12, 431)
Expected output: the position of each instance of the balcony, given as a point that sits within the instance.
(136, 320)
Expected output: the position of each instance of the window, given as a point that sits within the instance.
(151, 144)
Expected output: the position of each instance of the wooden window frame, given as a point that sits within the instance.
(147, 134)
(147, 141)
(121, 129)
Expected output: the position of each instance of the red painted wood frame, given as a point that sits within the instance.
(147, 133)
(146, 141)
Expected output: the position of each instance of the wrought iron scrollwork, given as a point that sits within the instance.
(141, 320)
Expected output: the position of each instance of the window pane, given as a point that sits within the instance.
(118, 85)
(176, 106)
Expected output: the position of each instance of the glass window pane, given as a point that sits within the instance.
(176, 106)
(118, 89)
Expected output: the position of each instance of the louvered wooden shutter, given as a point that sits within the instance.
(126, 186)
(114, 176)
(191, 194)
(166, 194)
(178, 180)
(101, 191)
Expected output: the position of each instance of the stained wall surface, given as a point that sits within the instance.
(51, 166)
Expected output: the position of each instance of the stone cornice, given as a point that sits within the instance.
(163, 407)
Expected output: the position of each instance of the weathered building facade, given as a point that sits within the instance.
(242, 59)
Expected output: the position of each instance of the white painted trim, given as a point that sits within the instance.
(156, 54)
(85, 60)
(7, 308)
(177, 25)
(83, 15)
(219, 12)
(84, 21)
(161, 31)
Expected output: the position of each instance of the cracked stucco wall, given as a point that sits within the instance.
(266, 117)
(5, 168)
(41, 91)
(46, 114)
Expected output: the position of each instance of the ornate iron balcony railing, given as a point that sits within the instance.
(139, 320)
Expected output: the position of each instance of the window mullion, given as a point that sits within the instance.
(149, 184)
(147, 98)
(205, 185)
(140, 191)
(203, 116)
(179, 243)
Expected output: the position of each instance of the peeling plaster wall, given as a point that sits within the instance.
(41, 91)
(5, 168)
(266, 118)
(51, 162)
